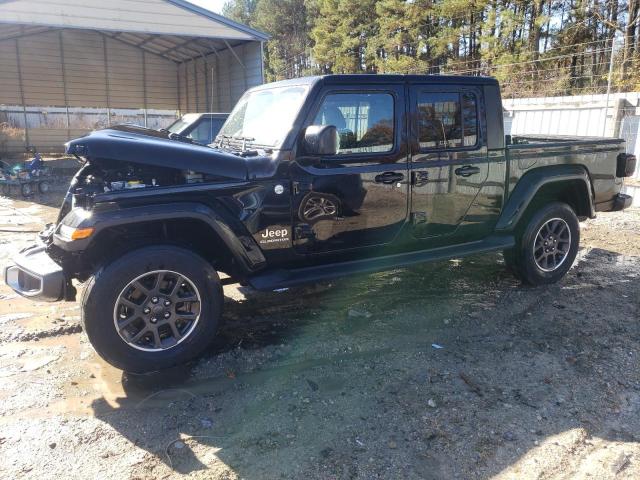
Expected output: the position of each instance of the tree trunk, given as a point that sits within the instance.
(535, 29)
(629, 34)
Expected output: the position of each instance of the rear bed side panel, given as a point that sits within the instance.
(530, 184)
(597, 156)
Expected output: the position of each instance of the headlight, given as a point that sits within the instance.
(72, 233)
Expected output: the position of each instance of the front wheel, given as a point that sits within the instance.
(154, 308)
(26, 189)
(547, 246)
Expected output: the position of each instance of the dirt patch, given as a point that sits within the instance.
(448, 370)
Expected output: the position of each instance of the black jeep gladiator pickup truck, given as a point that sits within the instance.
(309, 179)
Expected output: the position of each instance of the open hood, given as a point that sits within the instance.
(151, 147)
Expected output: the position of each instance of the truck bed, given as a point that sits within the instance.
(598, 155)
(536, 141)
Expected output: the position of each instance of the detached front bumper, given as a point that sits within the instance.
(35, 275)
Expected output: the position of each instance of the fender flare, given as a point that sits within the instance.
(240, 244)
(531, 183)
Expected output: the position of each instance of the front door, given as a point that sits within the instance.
(450, 164)
(358, 197)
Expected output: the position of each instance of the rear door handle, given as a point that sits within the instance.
(389, 177)
(467, 171)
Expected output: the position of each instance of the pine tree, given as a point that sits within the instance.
(340, 36)
(534, 47)
(240, 10)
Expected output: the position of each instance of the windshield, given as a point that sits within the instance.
(182, 123)
(265, 116)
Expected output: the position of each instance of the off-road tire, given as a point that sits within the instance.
(26, 189)
(522, 258)
(44, 187)
(104, 288)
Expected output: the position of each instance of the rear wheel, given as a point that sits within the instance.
(153, 308)
(547, 246)
(44, 187)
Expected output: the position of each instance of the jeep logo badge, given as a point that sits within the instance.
(274, 237)
(275, 233)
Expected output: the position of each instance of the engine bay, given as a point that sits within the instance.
(104, 176)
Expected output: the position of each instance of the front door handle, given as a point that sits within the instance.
(389, 177)
(467, 171)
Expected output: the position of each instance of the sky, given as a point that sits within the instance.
(213, 5)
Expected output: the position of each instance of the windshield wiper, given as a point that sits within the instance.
(244, 141)
(178, 137)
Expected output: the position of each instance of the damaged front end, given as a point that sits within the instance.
(124, 166)
(128, 157)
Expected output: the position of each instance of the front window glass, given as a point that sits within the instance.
(364, 121)
(265, 116)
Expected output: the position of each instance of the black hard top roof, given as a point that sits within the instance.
(377, 79)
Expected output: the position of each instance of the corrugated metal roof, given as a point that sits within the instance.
(219, 18)
(173, 29)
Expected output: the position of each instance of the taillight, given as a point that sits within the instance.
(626, 165)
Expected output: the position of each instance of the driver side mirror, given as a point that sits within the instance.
(321, 140)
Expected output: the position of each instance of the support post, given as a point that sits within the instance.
(179, 94)
(206, 86)
(195, 85)
(106, 79)
(144, 87)
(186, 85)
(262, 61)
(219, 97)
(24, 106)
(64, 84)
(606, 106)
(234, 53)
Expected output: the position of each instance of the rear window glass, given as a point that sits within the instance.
(447, 120)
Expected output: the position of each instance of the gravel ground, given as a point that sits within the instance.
(447, 370)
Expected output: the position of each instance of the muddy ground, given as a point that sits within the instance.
(448, 370)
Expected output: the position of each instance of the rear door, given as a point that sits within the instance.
(449, 164)
(357, 198)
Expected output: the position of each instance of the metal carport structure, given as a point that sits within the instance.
(68, 66)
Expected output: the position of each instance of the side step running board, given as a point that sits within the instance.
(288, 278)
